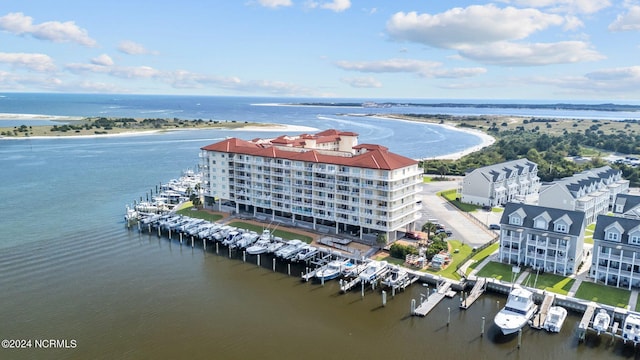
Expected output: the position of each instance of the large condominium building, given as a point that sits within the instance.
(544, 238)
(500, 183)
(592, 191)
(324, 179)
(616, 252)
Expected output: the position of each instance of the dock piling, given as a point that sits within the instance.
(448, 315)
(244, 256)
(258, 261)
(384, 298)
(519, 338)
(482, 328)
(413, 306)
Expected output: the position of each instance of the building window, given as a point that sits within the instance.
(541, 224)
(515, 220)
(634, 239)
(561, 228)
(613, 236)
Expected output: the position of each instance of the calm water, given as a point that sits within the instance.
(70, 270)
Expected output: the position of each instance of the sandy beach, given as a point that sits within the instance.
(487, 140)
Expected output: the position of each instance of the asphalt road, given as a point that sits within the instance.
(470, 232)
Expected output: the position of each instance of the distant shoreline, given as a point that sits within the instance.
(267, 128)
(487, 140)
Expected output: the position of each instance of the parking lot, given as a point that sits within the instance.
(469, 229)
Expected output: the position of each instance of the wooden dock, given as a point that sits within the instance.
(478, 289)
(586, 320)
(541, 316)
(432, 300)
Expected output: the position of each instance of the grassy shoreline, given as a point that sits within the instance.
(120, 126)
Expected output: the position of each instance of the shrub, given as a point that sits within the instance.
(400, 251)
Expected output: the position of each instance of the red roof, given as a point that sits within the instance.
(376, 156)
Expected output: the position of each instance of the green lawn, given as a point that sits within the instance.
(550, 282)
(189, 211)
(285, 235)
(603, 294)
(498, 271)
(481, 255)
(450, 271)
(450, 195)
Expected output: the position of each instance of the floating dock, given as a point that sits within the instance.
(432, 300)
(478, 289)
(541, 316)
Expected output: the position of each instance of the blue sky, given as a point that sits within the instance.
(436, 49)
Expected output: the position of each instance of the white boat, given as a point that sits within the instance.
(245, 240)
(555, 319)
(352, 270)
(396, 278)
(291, 248)
(274, 246)
(631, 329)
(306, 253)
(259, 247)
(601, 321)
(331, 270)
(517, 312)
(373, 270)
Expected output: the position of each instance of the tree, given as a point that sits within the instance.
(443, 169)
(429, 227)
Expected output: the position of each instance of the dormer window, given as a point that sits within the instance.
(634, 239)
(614, 232)
(561, 227)
(515, 220)
(540, 224)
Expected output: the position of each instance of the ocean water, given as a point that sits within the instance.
(71, 270)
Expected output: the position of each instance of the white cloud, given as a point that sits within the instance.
(362, 82)
(133, 48)
(275, 3)
(19, 24)
(335, 5)
(567, 6)
(628, 21)
(125, 72)
(36, 62)
(631, 73)
(103, 60)
(419, 67)
(473, 25)
(512, 54)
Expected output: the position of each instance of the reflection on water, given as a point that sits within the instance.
(125, 294)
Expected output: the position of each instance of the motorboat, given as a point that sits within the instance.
(306, 253)
(352, 270)
(518, 310)
(374, 270)
(332, 270)
(259, 247)
(555, 319)
(246, 240)
(397, 277)
(601, 321)
(290, 249)
(274, 246)
(631, 329)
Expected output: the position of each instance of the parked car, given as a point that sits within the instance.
(414, 235)
(494, 227)
(441, 231)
